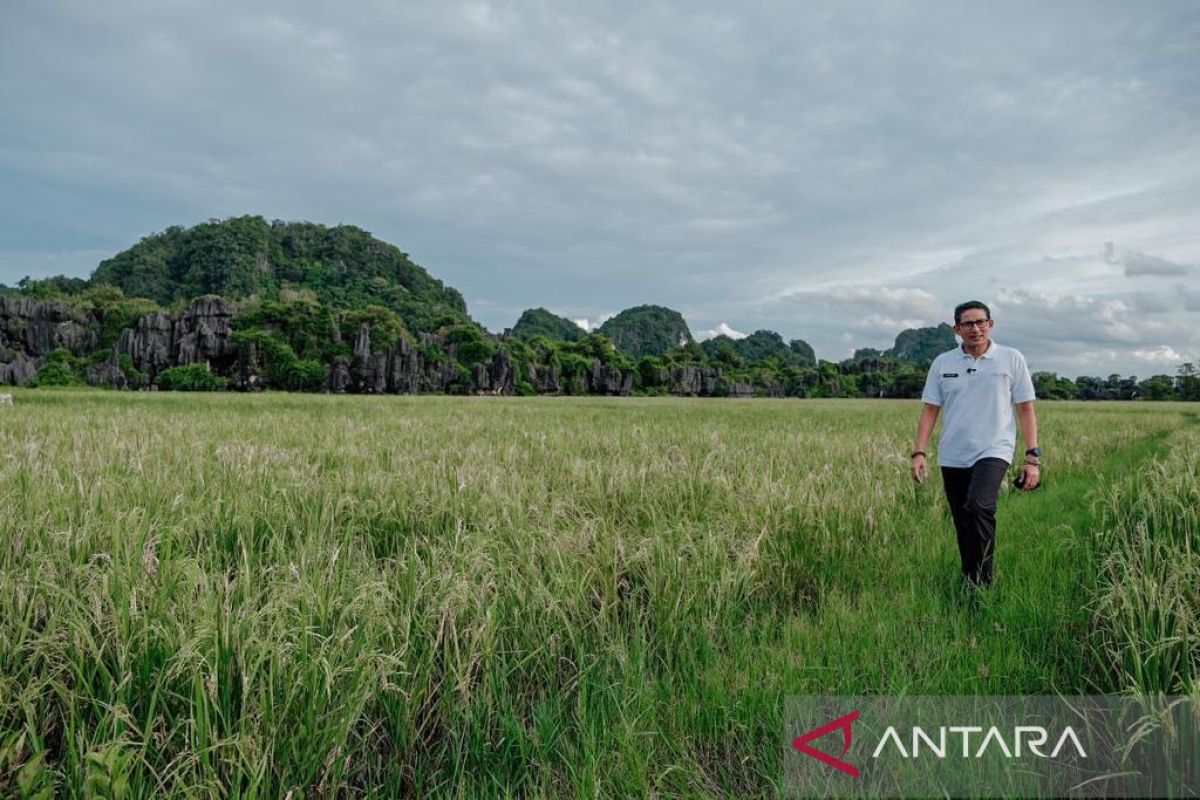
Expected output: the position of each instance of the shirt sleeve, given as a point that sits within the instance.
(933, 387)
(1022, 385)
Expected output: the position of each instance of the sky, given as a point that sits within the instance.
(835, 172)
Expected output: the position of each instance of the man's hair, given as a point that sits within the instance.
(961, 307)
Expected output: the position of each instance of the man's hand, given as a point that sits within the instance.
(929, 415)
(920, 470)
(1031, 476)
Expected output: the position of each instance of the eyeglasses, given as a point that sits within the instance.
(974, 323)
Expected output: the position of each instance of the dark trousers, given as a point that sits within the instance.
(972, 492)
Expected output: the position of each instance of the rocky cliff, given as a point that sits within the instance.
(203, 334)
(30, 330)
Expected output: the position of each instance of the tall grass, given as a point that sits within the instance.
(251, 596)
(1148, 603)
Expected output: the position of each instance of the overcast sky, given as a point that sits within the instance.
(832, 171)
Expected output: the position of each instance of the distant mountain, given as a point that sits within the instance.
(646, 330)
(922, 345)
(761, 346)
(540, 322)
(342, 266)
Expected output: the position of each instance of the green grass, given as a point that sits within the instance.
(229, 595)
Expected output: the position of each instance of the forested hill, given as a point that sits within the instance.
(647, 330)
(540, 322)
(919, 345)
(342, 267)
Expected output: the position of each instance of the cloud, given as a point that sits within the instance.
(592, 325)
(1152, 302)
(589, 156)
(1077, 333)
(1142, 264)
(1163, 354)
(1188, 296)
(917, 306)
(1141, 363)
(876, 322)
(720, 330)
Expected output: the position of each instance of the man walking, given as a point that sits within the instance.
(978, 385)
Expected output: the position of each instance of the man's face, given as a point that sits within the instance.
(974, 327)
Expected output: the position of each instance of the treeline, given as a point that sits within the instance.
(299, 343)
(1183, 385)
(246, 304)
(304, 345)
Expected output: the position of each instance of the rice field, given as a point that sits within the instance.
(264, 596)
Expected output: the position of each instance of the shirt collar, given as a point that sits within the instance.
(989, 353)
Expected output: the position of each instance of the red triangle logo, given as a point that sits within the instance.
(801, 743)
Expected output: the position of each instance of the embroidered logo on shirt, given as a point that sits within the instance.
(949, 374)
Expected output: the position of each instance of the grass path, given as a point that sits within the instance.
(1025, 635)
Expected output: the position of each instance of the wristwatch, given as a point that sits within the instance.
(1036, 452)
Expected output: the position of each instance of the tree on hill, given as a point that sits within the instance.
(805, 355)
(719, 344)
(922, 345)
(53, 288)
(241, 257)
(723, 350)
(540, 322)
(646, 330)
(760, 347)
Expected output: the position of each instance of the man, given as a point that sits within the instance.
(978, 385)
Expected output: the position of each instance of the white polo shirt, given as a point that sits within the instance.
(976, 396)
